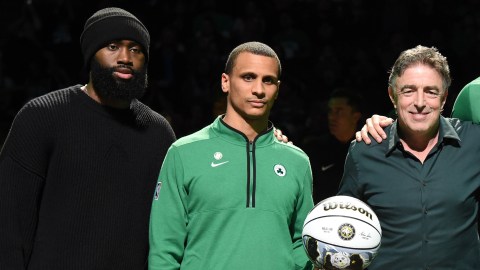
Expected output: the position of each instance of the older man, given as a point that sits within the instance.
(420, 181)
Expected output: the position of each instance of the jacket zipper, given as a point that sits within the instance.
(251, 179)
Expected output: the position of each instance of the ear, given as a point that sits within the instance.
(357, 116)
(444, 99)
(391, 94)
(225, 83)
(278, 89)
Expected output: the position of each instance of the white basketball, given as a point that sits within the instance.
(341, 232)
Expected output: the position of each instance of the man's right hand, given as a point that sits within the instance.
(374, 126)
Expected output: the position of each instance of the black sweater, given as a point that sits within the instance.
(76, 183)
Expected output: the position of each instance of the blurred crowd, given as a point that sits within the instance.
(323, 45)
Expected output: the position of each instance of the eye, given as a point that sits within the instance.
(406, 91)
(269, 80)
(136, 49)
(112, 46)
(432, 93)
(248, 77)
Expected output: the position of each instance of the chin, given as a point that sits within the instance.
(253, 116)
(421, 129)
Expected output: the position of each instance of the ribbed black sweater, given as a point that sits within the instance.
(76, 183)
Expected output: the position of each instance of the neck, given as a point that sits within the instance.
(419, 145)
(346, 137)
(251, 128)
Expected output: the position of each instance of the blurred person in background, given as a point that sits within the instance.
(327, 151)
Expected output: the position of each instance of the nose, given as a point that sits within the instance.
(258, 88)
(420, 99)
(124, 56)
(331, 115)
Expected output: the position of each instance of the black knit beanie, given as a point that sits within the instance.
(110, 24)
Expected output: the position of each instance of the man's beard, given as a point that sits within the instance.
(110, 88)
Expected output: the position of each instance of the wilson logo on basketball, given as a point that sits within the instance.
(348, 206)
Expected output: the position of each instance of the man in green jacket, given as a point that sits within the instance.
(231, 196)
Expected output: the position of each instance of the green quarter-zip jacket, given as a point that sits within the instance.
(223, 202)
(466, 106)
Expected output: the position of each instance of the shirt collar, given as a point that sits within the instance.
(447, 135)
(235, 136)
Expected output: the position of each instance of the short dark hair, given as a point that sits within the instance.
(254, 47)
(354, 98)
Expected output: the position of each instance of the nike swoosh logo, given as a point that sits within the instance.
(326, 167)
(217, 164)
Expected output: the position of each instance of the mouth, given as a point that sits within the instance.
(419, 116)
(257, 103)
(123, 73)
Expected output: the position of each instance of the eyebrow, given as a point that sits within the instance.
(412, 86)
(253, 74)
(128, 42)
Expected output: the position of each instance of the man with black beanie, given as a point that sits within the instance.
(79, 166)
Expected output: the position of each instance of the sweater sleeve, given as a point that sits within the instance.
(465, 106)
(168, 219)
(23, 162)
(304, 206)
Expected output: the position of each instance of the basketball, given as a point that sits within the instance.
(341, 232)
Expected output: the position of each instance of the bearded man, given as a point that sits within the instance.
(79, 166)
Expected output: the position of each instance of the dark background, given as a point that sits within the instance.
(322, 44)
